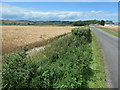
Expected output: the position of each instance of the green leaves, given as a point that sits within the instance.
(83, 34)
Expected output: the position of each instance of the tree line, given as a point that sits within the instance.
(54, 23)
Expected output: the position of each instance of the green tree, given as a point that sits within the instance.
(102, 22)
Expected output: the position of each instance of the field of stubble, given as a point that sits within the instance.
(113, 28)
(14, 37)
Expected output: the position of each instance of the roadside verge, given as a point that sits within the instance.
(97, 65)
(109, 31)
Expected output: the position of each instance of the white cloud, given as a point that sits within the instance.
(17, 13)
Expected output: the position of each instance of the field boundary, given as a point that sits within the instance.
(105, 65)
(36, 44)
(97, 65)
(70, 61)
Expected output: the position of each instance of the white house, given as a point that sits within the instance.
(109, 24)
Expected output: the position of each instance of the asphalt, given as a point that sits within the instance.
(110, 47)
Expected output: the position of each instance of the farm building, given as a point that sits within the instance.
(109, 24)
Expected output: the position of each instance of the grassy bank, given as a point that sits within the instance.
(99, 79)
(71, 61)
(109, 31)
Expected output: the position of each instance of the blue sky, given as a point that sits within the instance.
(60, 0)
(63, 11)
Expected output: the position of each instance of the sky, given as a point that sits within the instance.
(60, 0)
(59, 11)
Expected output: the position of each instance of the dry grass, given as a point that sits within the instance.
(16, 36)
(113, 28)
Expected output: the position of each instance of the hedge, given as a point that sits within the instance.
(65, 63)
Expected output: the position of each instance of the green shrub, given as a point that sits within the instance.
(17, 72)
(65, 64)
(83, 33)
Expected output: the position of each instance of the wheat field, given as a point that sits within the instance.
(17, 36)
(113, 28)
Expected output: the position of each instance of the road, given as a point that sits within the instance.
(109, 45)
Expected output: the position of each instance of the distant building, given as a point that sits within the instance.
(109, 24)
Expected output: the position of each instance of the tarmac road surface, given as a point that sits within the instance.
(110, 47)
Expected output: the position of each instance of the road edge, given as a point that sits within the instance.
(107, 73)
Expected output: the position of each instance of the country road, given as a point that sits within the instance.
(109, 45)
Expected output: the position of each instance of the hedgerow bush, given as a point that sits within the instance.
(82, 33)
(17, 71)
(65, 64)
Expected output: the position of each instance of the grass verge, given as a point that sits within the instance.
(109, 31)
(99, 79)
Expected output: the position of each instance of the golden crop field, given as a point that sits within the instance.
(16, 36)
(113, 28)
